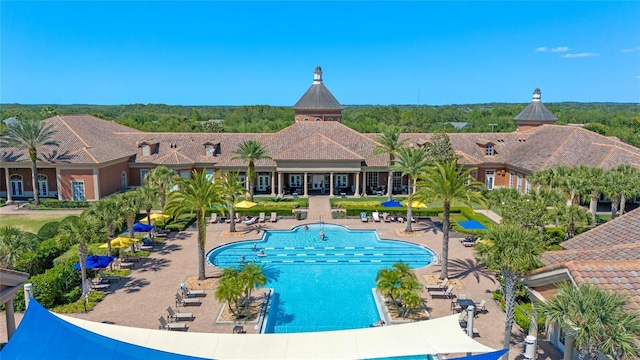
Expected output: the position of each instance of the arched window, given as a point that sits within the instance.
(306, 119)
(318, 119)
(123, 180)
(330, 119)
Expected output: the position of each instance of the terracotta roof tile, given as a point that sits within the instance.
(610, 276)
(318, 147)
(625, 252)
(622, 230)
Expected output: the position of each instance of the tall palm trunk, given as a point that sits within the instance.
(148, 210)
(250, 174)
(34, 182)
(509, 279)
(623, 204)
(446, 213)
(408, 227)
(615, 202)
(232, 223)
(202, 228)
(389, 185)
(593, 205)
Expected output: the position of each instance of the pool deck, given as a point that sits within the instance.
(144, 295)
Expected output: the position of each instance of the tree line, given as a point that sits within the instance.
(611, 119)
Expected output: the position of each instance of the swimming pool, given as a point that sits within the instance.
(321, 285)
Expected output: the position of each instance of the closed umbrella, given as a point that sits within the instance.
(244, 204)
(96, 262)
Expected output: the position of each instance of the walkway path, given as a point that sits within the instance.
(319, 209)
(490, 214)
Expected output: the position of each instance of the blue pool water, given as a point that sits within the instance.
(321, 285)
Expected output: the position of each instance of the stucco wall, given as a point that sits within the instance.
(85, 175)
(109, 178)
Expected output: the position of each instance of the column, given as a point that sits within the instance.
(331, 194)
(357, 192)
(8, 185)
(568, 345)
(364, 183)
(306, 193)
(11, 321)
(273, 183)
(280, 185)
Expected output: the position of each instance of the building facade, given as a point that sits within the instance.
(314, 155)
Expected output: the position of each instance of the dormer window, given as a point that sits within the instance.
(488, 150)
(146, 150)
(209, 149)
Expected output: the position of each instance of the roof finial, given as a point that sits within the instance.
(317, 75)
(536, 94)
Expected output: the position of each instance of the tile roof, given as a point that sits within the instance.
(318, 147)
(317, 97)
(622, 230)
(625, 252)
(535, 111)
(620, 277)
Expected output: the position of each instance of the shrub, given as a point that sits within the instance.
(48, 230)
(81, 304)
(338, 214)
(63, 204)
(53, 287)
(38, 261)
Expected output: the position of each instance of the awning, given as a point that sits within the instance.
(40, 334)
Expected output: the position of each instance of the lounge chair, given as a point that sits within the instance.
(171, 326)
(179, 316)
(438, 287)
(274, 217)
(125, 265)
(363, 217)
(214, 218)
(191, 293)
(186, 301)
(250, 221)
(97, 287)
(445, 294)
(108, 278)
(482, 307)
(376, 216)
(386, 217)
(237, 219)
(261, 218)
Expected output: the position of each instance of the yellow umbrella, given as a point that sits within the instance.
(244, 204)
(416, 204)
(119, 243)
(154, 217)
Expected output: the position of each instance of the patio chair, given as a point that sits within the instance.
(179, 316)
(252, 220)
(261, 218)
(107, 278)
(363, 217)
(274, 217)
(214, 218)
(171, 326)
(438, 287)
(376, 216)
(445, 294)
(455, 307)
(191, 293)
(482, 307)
(97, 287)
(186, 301)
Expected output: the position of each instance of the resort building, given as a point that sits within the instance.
(314, 155)
(607, 256)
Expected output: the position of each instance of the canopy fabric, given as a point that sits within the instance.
(140, 227)
(472, 225)
(96, 262)
(416, 204)
(391, 203)
(495, 355)
(244, 204)
(154, 217)
(41, 335)
(119, 243)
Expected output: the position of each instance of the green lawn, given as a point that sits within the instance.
(31, 222)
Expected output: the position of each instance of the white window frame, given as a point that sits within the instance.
(78, 184)
(519, 183)
(342, 180)
(266, 183)
(511, 176)
(295, 180)
(211, 176)
(16, 185)
(373, 178)
(488, 150)
(527, 186)
(489, 174)
(146, 150)
(123, 181)
(209, 150)
(397, 181)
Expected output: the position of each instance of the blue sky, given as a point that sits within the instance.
(246, 53)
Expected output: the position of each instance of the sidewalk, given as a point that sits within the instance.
(16, 209)
(490, 214)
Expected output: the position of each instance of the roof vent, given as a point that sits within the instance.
(317, 75)
(536, 94)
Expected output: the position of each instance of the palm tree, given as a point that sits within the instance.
(594, 183)
(512, 250)
(450, 184)
(195, 195)
(251, 276)
(597, 321)
(230, 290)
(130, 203)
(614, 186)
(29, 135)
(410, 161)
(250, 151)
(108, 212)
(82, 230)
(389, 143)
(13, 244)
(573, 217)
(148, 196)
(229, 189)
(630, 184)
(162, 179)
(401, 285)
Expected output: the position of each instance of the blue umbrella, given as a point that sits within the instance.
(140, 227)
(472, 225)
(391, 203)
(96, 262)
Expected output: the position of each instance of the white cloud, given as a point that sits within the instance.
(637, 48)
(584, 54)
(637, 77)
(541, 49)
(560, 49)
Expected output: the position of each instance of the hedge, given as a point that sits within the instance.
(63, 204)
